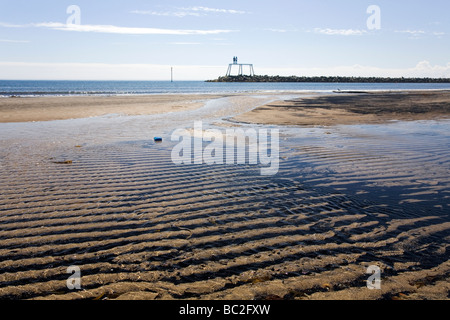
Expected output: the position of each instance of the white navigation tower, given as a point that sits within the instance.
(240, 66)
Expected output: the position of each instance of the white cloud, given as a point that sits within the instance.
(412, 32)
(276, 30)
(14, 41)
(178, 14)
(10, 25)
(124, 30)
(114, 29)
(189, 11)
(185, 43)
(339, 32)
(417, 33)
(423, 69)
(427, 68)
(206, 9)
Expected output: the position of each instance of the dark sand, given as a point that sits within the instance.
(355, 108)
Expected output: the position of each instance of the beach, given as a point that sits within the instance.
(353, 108)
(23, 109)
(364, 181)
(325, 110)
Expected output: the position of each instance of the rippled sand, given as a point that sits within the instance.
(140, 227)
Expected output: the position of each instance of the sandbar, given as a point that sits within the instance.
(353, 108)
(26, 109)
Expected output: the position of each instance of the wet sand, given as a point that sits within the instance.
(348, 108)
(141, 227)
(22, 109)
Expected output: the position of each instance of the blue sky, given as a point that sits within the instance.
(142, 40)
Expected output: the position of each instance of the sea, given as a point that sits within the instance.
(9, 88)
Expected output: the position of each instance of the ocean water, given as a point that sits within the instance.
(61, 88)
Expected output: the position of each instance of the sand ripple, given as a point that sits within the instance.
(140, 227)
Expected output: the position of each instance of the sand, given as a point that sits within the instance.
(22, 109)
(345, 108)
(140, 227)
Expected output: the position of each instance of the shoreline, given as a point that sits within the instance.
(13, 95)
(49, 108)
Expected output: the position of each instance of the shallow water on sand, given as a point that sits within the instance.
(402, 162)
(345, 197)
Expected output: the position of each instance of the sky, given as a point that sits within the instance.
(143, 40)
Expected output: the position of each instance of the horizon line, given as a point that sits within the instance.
(196, 80)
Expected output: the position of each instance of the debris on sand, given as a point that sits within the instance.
(63, 162)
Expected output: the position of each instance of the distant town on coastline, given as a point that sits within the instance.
(323, 79)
